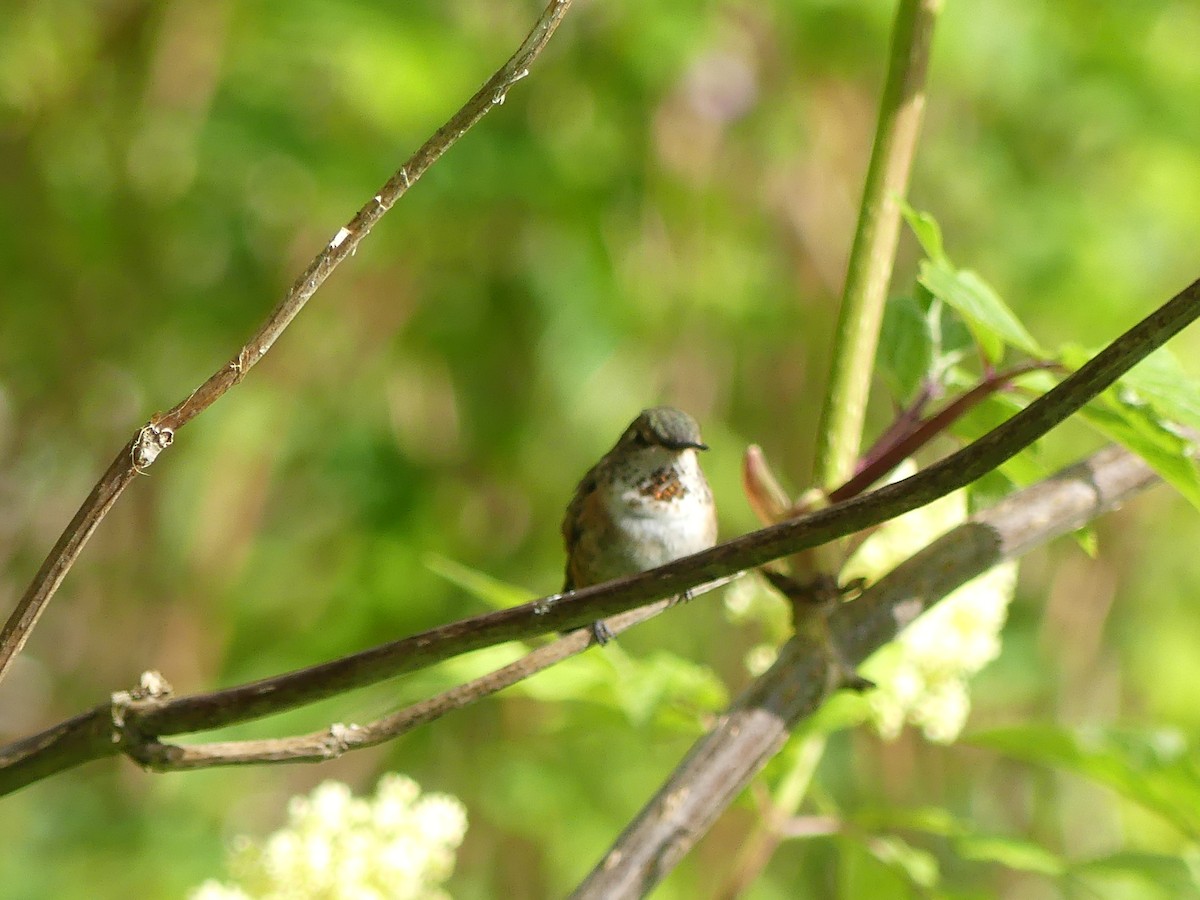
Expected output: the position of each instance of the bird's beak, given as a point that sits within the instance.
(686, 445)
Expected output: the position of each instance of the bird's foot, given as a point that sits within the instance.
(601, 632)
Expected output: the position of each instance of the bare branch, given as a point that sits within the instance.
(158, 433)
(84, 737)
(338, 739)
(118, 727)
(758, 722)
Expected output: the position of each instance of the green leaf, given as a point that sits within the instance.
(941, 280)
(1141, 414)
(663, 684)
(1087, 540)
(1026, 468)
(952, 339)
(991, 321)
(492, 591)
(1162, 382)
(920, 339)
(927, 231)
(920, 866)
(1013, 853)
(663, 687)
(906, 348)
(1139, 429)
(841, 712)
(1157, 770)
(1158, 379)
(1171, 875)
(933, 820)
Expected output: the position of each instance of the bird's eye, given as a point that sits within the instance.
(640, 439)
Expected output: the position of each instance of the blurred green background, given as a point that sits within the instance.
(661, 212)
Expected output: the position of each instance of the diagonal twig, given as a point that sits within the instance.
(157, 434)
(338, 739)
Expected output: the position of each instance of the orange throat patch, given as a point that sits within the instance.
(663, 485)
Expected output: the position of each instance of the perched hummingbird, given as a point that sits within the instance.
(645, 503)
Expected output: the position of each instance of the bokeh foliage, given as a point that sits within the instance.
(661, 212)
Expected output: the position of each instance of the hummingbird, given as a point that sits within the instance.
(644, 504)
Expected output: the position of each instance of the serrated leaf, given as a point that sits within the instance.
(492, 591)
(991, 321)
(1140, 430)
(1161, 381)
(1157, 770)
(987, 306)
(941, 280)
(1158, 379)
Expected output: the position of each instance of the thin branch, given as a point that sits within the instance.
(906, 420)
(144, 447)
(758, 722)
(87, 736)
(884, 458)
(109, 730)
(337, 739)
(875, 240)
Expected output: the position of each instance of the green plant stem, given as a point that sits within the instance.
(870, 269)
(839, 434)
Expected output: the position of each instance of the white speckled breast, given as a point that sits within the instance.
(666, 511)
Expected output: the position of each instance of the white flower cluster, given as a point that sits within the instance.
(922, 675)
(397, 846)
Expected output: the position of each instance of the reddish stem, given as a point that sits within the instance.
(894, 446)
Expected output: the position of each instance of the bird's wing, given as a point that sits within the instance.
(572, 524)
